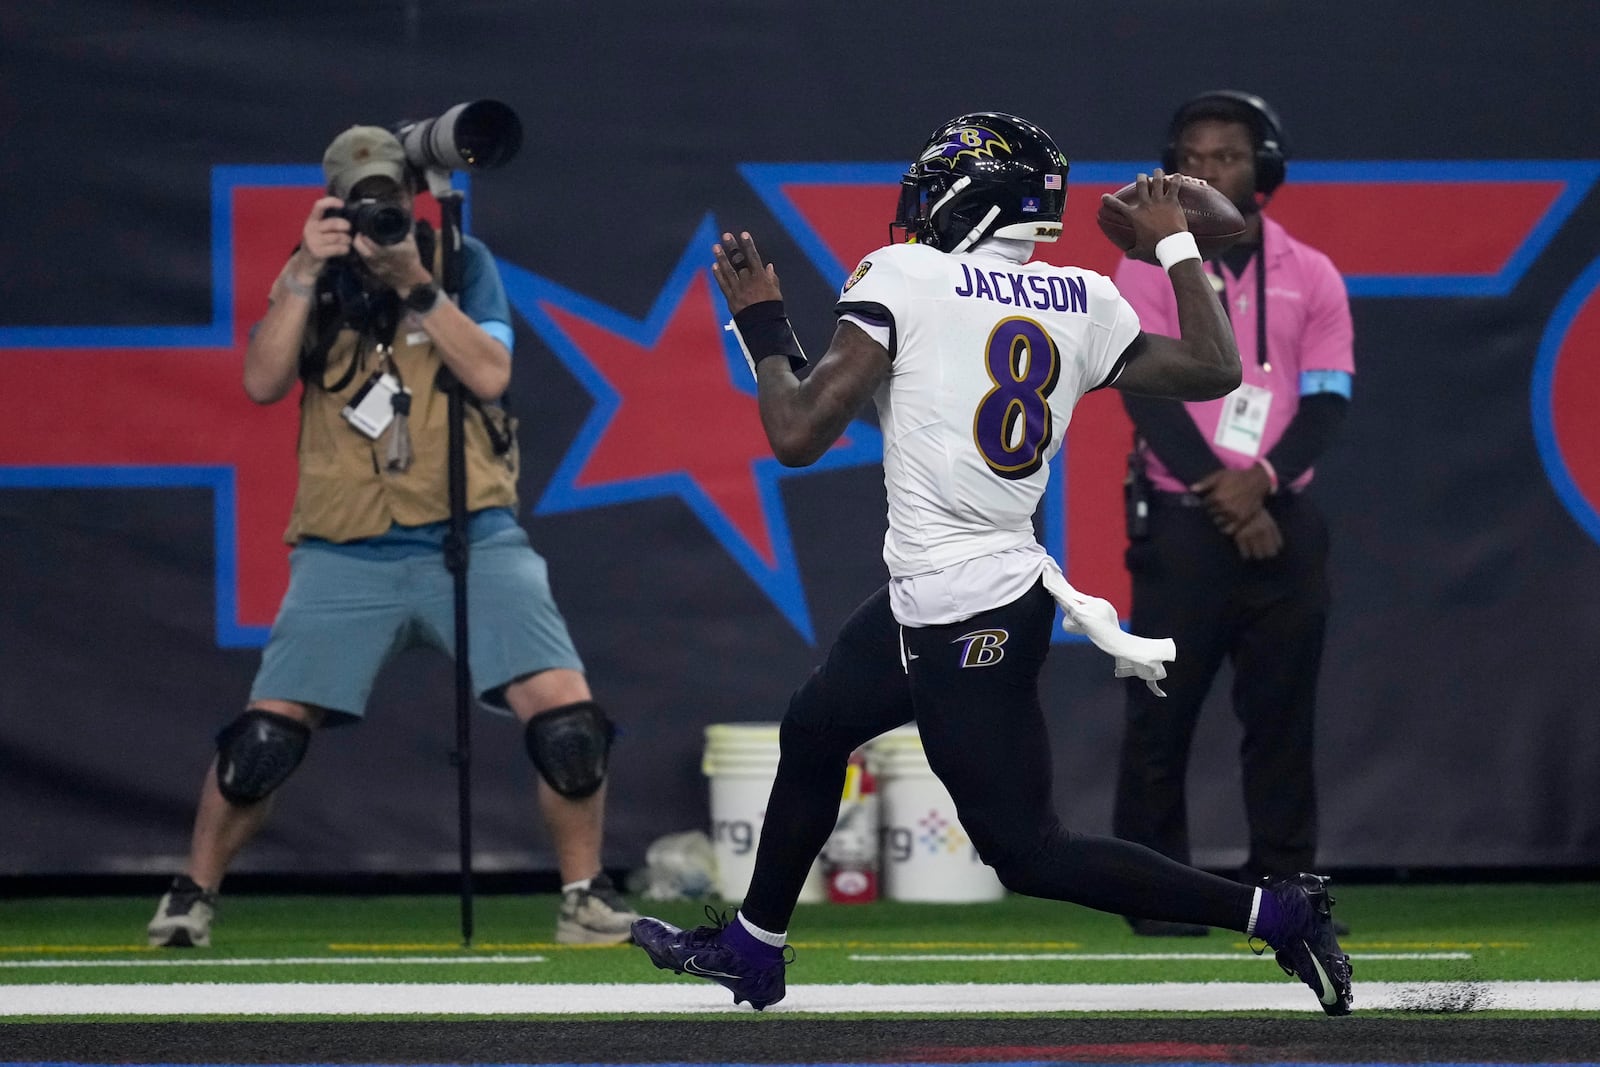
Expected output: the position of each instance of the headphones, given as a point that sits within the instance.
(1272, 150)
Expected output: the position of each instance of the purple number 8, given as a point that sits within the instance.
(1012, 426)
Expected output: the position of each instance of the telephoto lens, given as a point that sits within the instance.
(477, 135)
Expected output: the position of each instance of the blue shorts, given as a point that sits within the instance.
(345, 617)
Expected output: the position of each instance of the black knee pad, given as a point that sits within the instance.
(256, 753)
(570, 745)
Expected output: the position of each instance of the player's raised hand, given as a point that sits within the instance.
(740, 274)
(1155, 212)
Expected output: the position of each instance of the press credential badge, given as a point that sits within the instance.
(372, 408)
(1244, 419)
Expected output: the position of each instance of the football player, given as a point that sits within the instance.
(976, 357)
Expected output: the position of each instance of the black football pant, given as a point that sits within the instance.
(1268, 617)
(972, 688)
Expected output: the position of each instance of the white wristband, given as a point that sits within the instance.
(1175, 248)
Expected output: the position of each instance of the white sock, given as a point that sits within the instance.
(582, 883)
(764, 936)
(1255, 910)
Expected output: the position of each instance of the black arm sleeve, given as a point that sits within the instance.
(1308, 434)
(1172, 436)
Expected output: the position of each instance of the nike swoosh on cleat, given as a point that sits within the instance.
(1329, 994)
(689, 966)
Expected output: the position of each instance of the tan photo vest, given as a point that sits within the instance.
(345, 492)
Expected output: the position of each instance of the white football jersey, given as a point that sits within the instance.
(989, 358)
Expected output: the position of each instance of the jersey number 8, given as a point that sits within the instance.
(1012, 426)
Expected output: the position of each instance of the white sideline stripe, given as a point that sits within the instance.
(280, 961)
(1120, 957)
(680, 997)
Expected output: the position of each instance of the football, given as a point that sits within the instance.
(1215, 222)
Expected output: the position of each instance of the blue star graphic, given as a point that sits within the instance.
(675, 416)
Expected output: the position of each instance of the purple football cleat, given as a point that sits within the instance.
(705, 953)
(1311, 951)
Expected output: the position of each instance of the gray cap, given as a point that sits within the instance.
(363, 152)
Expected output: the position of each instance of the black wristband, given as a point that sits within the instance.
(765, 330)
(422, 299)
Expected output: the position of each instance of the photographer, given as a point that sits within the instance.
(357, 318)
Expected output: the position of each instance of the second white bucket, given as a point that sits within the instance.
(926, 855)
(740, 762)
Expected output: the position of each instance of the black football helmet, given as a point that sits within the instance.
(981, 175)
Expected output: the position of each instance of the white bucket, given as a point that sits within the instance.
(926, 855)
(741, 761)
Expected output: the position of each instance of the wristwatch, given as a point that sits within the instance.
(422, 299)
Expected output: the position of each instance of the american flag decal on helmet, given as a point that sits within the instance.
(1052, 181)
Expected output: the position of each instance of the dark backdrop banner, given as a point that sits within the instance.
(161, 157)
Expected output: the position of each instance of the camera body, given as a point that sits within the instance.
(383, 222)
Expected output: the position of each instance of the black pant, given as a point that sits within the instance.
(972, 688)
(1268, 616)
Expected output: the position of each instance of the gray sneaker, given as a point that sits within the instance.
(183, 918)
(594, 916)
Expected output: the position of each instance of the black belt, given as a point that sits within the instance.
(1195, 500)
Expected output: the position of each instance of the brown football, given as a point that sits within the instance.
(1215, 222)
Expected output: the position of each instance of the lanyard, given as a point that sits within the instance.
(1221, 284)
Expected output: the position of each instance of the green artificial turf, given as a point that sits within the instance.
(1521, 932)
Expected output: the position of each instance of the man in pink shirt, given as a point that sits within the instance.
(1229, 557)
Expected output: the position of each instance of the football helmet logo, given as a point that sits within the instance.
(979, 142)
(981, 175)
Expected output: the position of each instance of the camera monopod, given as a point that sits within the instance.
(457, 551)
(474, 136)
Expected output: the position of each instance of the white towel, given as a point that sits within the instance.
(1143, 657)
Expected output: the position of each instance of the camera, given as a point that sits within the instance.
(382, 222)
(477, 135)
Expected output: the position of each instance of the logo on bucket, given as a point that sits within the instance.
(938, 834)
(934, 835)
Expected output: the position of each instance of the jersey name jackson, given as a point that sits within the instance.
(1049, 293)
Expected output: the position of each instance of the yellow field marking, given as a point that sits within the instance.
(545, 946)
(273, 961)
(430, 946)
(1115, 957)
(1423, 946)
(932, 945)
(1415, 946)
(455, 946)
(76, 948)
(925, 946)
